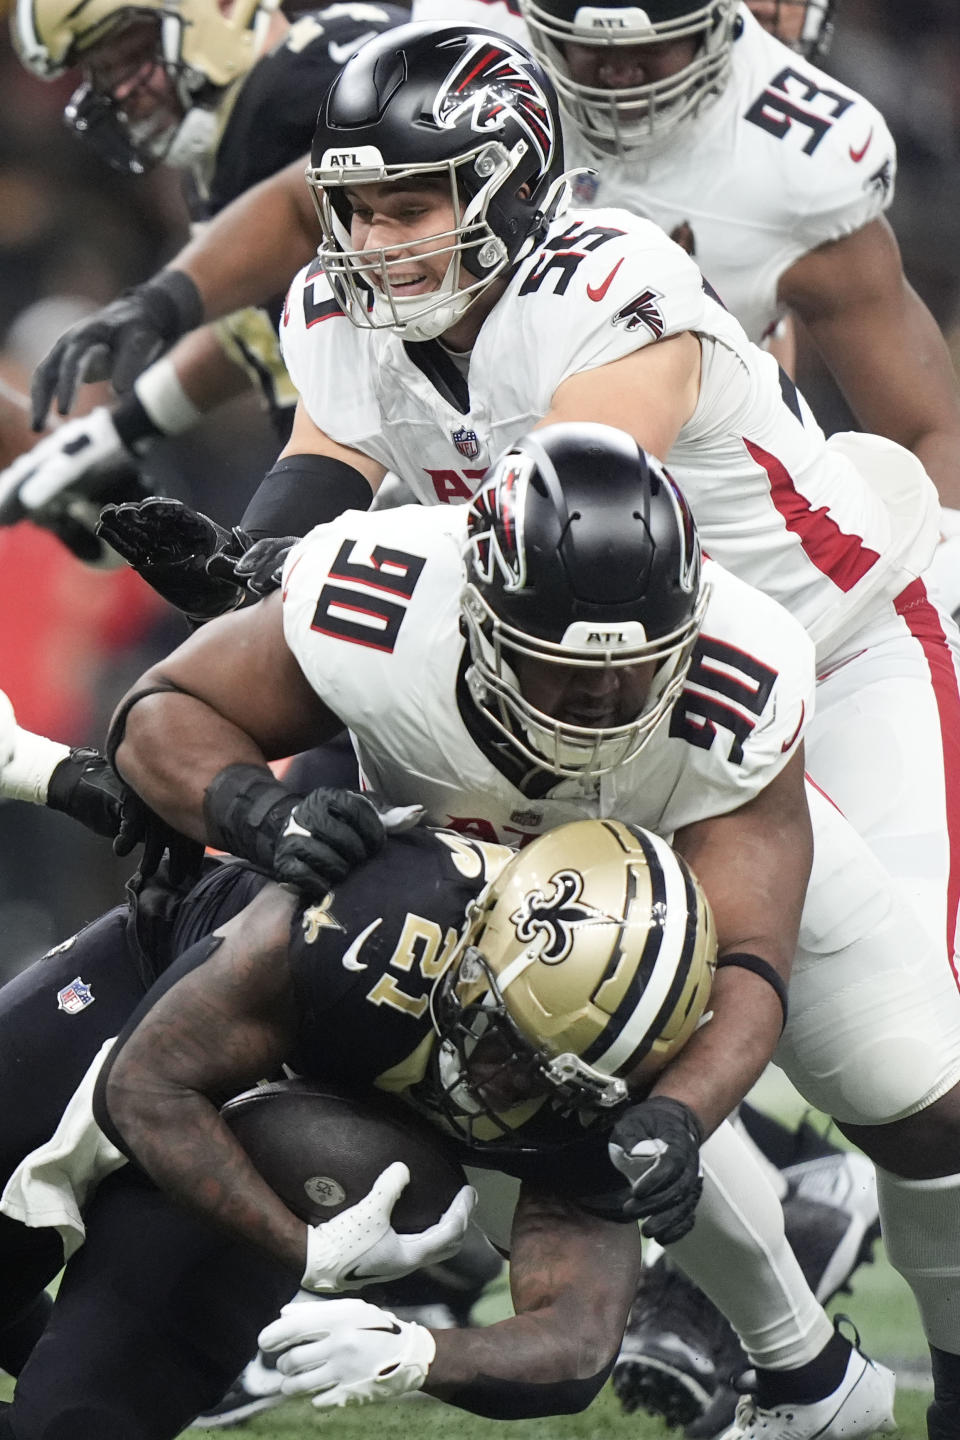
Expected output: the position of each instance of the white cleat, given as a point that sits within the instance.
(862, 1404)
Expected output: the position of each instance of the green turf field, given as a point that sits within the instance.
(880, 1306)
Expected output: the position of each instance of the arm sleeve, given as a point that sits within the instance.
(302, 491)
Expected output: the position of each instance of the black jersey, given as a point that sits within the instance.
(275, 114)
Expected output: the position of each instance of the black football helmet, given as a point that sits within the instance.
(805, 25)
(580, 552)
(629, 120)
(426, 101)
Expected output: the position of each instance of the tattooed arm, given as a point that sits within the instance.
(572, 1279)
(224, 1025)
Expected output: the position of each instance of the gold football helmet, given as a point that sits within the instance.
(203, 49)
(585, 966)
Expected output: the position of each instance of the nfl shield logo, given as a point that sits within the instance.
(585, 186)
(467, 443)
(75, 997)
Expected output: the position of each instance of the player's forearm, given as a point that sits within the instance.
(528, 1366)
(254, 247)
(572, 1277)
(727, 1055)
(179, 1140)
(172, 746)
(208, 376)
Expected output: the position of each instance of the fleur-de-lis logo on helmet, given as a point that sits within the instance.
(555, 916)
(489, 82)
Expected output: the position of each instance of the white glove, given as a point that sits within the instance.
(26, 760)
(360, 1246)
(82, 449)
(346, 1352)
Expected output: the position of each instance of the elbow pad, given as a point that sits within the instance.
(302, 491)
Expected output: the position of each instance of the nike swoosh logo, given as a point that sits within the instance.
(601, 290)
(857, 155)
(340, 54)
(350, 960)
(393, 1329)
(787, 743)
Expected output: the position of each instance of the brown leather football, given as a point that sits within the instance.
(321, 1148)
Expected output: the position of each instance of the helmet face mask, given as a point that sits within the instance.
(584, 968)
(680, 50)
(188, 52)
(611, 601)
(436, 106)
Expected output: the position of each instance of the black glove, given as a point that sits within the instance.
(85, 786)
(261, 567)
(118, 342)
(327, 834)
(656, 1145)
(309, 841)
(170, 545)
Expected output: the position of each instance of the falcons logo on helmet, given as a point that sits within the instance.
(642, 310)
(495, 527)
(490, 82)
(555, 916)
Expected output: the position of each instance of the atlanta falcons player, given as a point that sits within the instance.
(557, 706)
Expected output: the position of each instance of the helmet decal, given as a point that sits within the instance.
(489, 80)
(496, 523)
(556, 915)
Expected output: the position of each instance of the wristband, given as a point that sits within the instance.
(161, 393)
(757, 966)
(26, 776)
(245, 810)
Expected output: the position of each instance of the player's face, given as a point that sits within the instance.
(499, 1077)
(783, 18)
(622, 67)
(403, 220)
(593, 697)
(127, 68)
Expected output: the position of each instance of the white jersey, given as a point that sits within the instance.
(371, 615)
(777, 504)
(785, 159)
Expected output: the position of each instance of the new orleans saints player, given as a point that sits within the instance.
(227, 95)
(524, 1002)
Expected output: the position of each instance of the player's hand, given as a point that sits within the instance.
(27, 761)
(64, 480)
(346, 1352)
(656, 1145)
(261, 567)
(326, 835)
(360, 1246)
(170, 545)
(118, 342)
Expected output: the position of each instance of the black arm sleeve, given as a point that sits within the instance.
(302, 491)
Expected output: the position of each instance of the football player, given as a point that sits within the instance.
(595, 676)
(226, 94)
(343, 988)
(776, 174)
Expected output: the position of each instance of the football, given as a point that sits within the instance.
(321, 1148)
